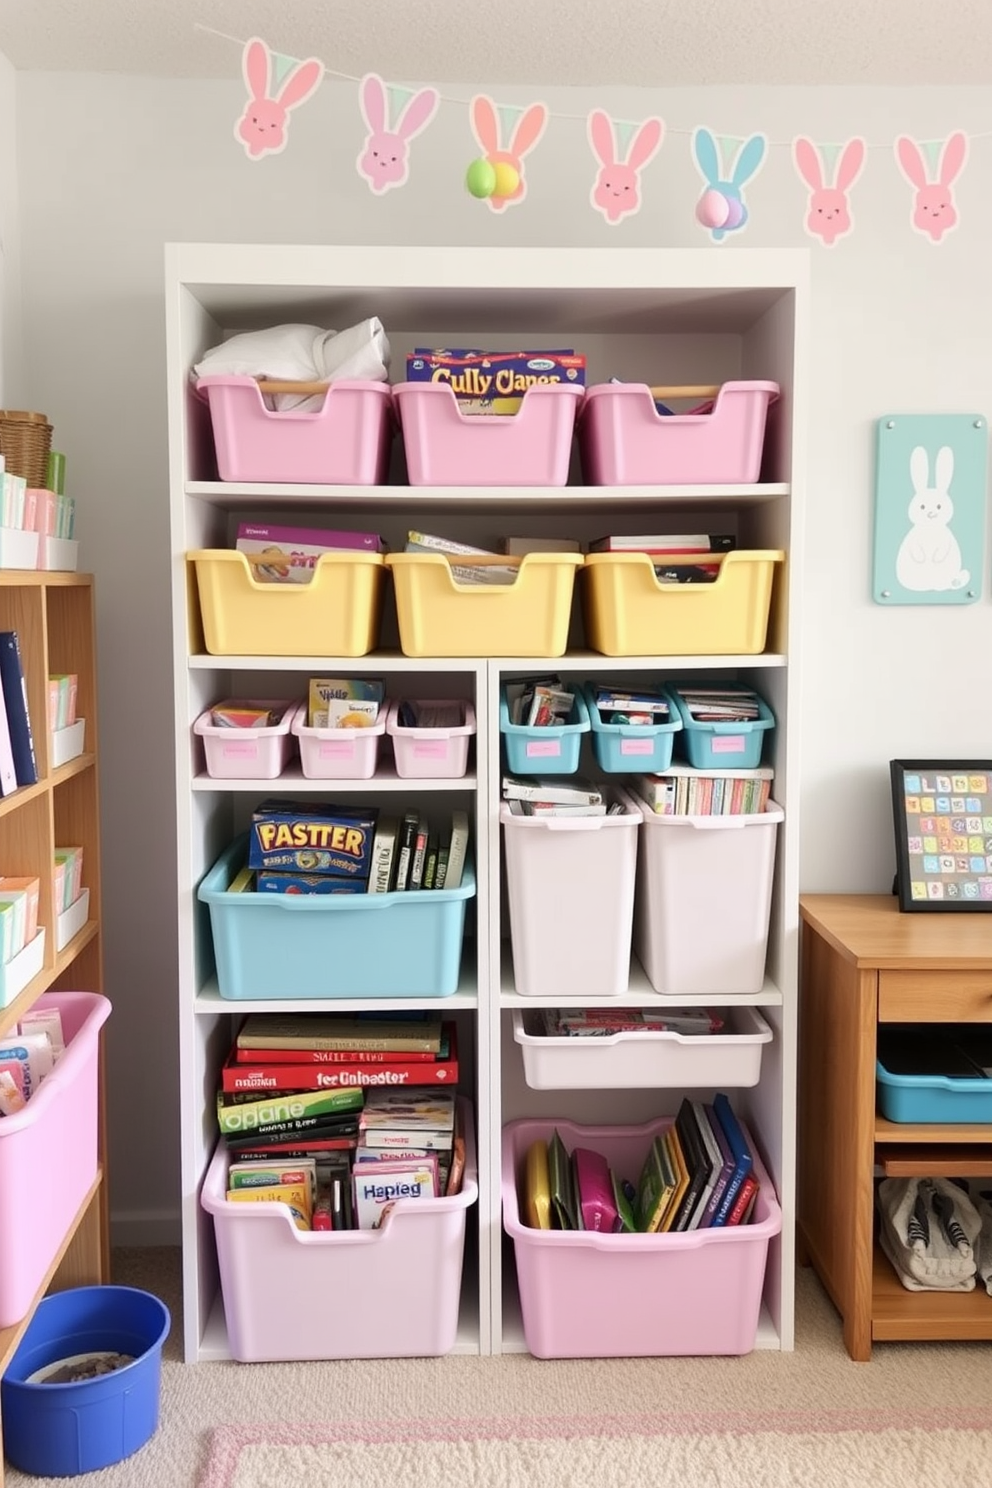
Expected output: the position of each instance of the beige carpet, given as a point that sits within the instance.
(917, 1414)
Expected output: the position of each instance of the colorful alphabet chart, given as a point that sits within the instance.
(948, 835)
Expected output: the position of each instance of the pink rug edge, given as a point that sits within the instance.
(227, 1442)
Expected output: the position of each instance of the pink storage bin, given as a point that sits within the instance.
(247, 754)
(445, 447)
(343, 443)
(49, 1155)
(625, 441)
(338, 753)
(588, 1295)
(430, 753)
(356, 1294)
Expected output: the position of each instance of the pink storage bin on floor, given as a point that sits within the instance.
(588, 1295)
(49, 1154)
(247, 754)
(343, 443)
(625, 441)
(338, 753)
(445, 447)
(393, 1292)
(431, 753)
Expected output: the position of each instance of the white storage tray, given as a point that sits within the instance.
(67, 743)
(16, 973)
(69, 923)
(643, 1061)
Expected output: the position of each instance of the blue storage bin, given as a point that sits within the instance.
(631, 748)
(723, 746)
(543, 751)
(56, 1431)
(296, 946)
(933, 1098)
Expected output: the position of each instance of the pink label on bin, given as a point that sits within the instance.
(337, 749)
(547, 747)
(240, 751)
(430, 749)
(636, 746)
(728, 744)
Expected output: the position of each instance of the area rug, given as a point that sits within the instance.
(760, 1449)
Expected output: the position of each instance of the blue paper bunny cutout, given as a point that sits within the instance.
(749, 158)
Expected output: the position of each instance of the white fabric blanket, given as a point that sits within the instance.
(929, 1230)
(301, 353)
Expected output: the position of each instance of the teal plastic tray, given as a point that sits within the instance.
(933, 1098)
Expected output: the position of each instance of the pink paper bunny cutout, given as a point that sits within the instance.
(617, 189)
(934, 212)
(828, 215)
(384, 161)
(263, 125)
(526, 133)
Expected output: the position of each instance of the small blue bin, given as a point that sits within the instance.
(56, 1431)
(296, 946)
(547, 750)
(933, 1098)
(631, 748)
(722, 746)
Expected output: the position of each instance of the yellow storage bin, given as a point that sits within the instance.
(629, 613)
(438, 616)
(336, 614)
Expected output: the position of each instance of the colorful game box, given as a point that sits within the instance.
(493, 381)
(311, 837)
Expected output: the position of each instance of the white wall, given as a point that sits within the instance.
(110, 171)
(10, 233)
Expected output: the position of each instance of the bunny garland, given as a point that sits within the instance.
(616, 192)
(385, 158)
(265, 120)
(722, 208)
(828, 215)
(524, 135)
(934, 210)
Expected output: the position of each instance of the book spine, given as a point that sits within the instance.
(332, 1056)
(457, 849)
(239, 1114)
(15, 696)
(744, 1196)
(383, 854)
(419, 855)
(290, 1131)
(8, 772)
(263, 1077)
(408, 837)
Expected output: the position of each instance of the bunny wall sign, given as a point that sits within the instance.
(721, 208)
(930, 509)
(616, 192)
(934, 210)
(828, 213)
(263, 126)
(385, 157)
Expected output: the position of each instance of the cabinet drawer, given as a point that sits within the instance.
(935, 996)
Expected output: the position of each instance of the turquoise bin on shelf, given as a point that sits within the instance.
(632, 748)
(725, 746)
(548, 750)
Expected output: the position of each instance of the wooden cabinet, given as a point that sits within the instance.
(864, 963)
(53, 614)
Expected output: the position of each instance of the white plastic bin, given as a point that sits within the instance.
(570, 887)
(645, 1060)
(247, 754)
(704, 893)
(338, 753)
(431, 753)
(357, 1294)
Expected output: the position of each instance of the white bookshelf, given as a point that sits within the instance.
(658, 316)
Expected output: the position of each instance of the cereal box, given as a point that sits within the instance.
(493, 382)
(311, 837)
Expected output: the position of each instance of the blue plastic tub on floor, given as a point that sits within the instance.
(546, 750)
(297, 946)
(56, 1431)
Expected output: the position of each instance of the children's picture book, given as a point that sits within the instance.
(742, 1155)
(295, 1195)
(290, 553)
(408, 1110)
(536, 1204)
(377, 1186)
(594, 1190)
(263, 1076)
(564, 1205)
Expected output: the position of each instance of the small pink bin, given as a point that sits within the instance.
(625, 441)
(247, 754)
(338, 753)
(431, 753)
(49, 1154)
(445, 447)
(393, 1292)
(587, 1295)
(343, 443)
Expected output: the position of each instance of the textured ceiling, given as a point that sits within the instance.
(651, 43)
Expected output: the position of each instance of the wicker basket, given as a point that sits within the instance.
(25, 440)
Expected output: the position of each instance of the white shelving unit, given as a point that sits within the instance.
(657, 316)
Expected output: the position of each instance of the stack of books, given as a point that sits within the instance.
(556, 796)
(721, 704)
(293, 1095)
(682, 790)
(601, 1022)
(539, 702)
(408, 1147)
(669, 546)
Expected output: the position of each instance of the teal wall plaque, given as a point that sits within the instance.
(930, 497)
